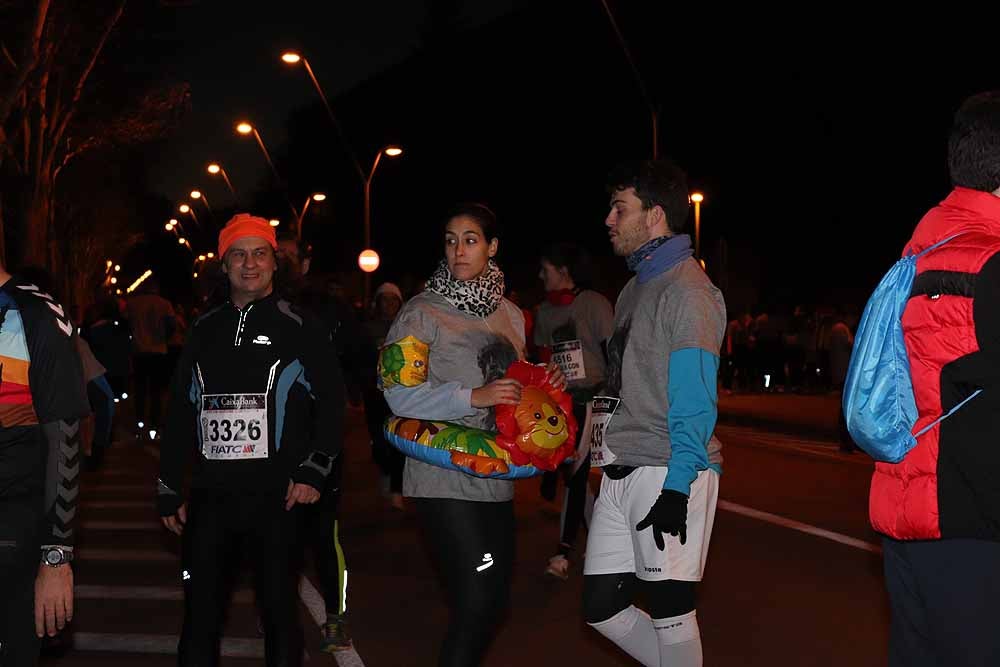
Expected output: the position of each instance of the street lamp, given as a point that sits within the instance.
(697, 198)
(274, 222)
(198, 194)
(246, 128)
(315, 197)
(391, 151)
(184, 208)
(293, 58)
(214, 169)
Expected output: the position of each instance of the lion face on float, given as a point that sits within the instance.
(541, 423)
(540, 430)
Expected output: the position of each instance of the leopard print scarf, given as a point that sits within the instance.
(480, 296)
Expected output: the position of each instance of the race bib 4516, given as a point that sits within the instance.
(234, 426)
(569, 356)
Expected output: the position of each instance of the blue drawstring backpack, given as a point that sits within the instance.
(878, 401)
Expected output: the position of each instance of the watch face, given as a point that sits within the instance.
(53, 557)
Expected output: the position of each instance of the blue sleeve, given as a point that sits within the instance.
(693, 399)
(431, 401)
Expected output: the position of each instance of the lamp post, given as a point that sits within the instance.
(390, 151)
(198, 194)
(315, 197)
(184, 208)
(216, 168)
(293, 58)
(245, 129)
(696, 199)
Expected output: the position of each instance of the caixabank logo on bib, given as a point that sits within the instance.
(235, 402)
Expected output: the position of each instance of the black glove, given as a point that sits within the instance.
(667, 515)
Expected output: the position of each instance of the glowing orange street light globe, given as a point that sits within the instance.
(368, 261)
(291, 57)
(244, 128)
(214, 168)
(393, 151)
(275, 222)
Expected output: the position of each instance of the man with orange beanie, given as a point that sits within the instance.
(241, 399)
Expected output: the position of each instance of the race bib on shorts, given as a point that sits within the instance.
(602, 409)
(569, 356)
(234, 426)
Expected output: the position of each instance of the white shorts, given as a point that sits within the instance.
(614, 546)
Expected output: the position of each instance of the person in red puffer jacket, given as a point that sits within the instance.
(939, 508)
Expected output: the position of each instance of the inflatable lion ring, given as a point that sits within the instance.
(533, 436)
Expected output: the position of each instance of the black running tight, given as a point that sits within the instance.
(473, 548)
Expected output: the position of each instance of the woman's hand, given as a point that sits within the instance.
(556, 377)
(505, 391)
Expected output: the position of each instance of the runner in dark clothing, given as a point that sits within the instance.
(40, 406)
(242, 398)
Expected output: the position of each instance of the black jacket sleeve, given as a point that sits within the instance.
(326, 383)
(58, 393)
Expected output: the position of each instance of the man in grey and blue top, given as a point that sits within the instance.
(652, 431)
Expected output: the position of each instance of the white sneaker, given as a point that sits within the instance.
(558, 567)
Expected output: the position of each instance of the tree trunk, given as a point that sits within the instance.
(38, 218)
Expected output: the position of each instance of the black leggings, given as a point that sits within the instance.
(19, 559)
(605, 595)
(576, 501)
(473, 547)
(321, 529)
(220, 528)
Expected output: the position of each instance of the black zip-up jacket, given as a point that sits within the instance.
(238, 369)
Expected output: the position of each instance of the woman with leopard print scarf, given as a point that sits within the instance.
(463, 334)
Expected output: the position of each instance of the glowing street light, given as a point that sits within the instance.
(293, 58)
(182, 240)
(391, 151)
(246, 128)
(697, 198)
(315, 197)
(201, 258)
(216, 169)
(274, 222)
(114, 281)
(118, 267)
(211, 255)
(198, 194)
(184, 208)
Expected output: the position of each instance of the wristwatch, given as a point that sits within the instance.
(56, 556)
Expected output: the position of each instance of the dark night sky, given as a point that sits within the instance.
(818, 140)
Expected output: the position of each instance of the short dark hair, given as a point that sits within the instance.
(657, 183)
(974, 143)
(574, 258)
(484, 217)
(305, 249)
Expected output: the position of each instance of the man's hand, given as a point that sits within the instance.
(667, 515)
(53, 599)
(175, 522)
(556, 376)
(300, 493)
